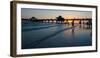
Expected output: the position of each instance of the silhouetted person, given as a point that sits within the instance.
(80, 22)
(89, 23)
(72, 22)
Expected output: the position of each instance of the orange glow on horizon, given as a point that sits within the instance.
(69, 21)
(65, 21)
(70, 17)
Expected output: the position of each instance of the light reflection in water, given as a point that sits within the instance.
(78, 36)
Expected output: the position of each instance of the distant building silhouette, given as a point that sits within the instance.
(33, 18)
(60, 19)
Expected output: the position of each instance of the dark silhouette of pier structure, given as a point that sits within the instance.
(61, 20)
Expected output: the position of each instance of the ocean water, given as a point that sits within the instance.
(51, 35)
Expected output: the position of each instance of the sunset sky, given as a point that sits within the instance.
(52, 14)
